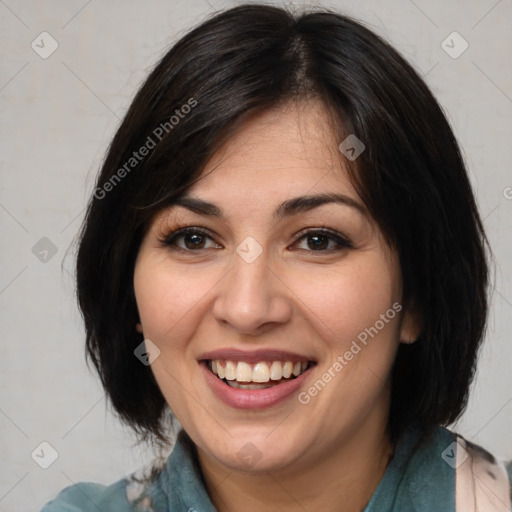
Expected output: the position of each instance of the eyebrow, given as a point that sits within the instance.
(287, 208)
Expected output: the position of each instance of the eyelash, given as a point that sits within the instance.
(342, 242)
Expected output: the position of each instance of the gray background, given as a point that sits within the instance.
(57, 117)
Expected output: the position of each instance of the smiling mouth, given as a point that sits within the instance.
(262, 375)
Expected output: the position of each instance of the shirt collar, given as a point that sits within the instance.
(183, 481)
(416, 479)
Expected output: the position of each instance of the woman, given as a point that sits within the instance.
(283, 249)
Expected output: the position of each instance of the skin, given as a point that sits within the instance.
(293, 297)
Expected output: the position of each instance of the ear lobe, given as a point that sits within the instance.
(138, 327)
(412, 324)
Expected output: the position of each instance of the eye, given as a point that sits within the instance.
(323, 240)
(190, 239)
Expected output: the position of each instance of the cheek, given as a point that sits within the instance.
(344, 303)
(356, 313)
(170, 303)
(168, 299)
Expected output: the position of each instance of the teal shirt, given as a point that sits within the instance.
(415, 480)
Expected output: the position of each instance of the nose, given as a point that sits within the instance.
(252, 297)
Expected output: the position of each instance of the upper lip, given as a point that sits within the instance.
(253, 356)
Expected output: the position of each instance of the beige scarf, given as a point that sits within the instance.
(481, 481)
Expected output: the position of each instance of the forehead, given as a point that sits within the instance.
(291, 149)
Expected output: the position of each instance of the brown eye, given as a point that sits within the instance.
(193, 241)
(317, 242)
(190, 239)
(323, 241)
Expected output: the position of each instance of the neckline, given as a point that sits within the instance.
(183, 469)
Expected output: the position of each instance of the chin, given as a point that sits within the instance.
(252, 449)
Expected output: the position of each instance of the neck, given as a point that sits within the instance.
(346, 474)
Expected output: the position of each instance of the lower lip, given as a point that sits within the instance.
(252, 398)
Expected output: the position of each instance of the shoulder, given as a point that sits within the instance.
(444, 471)
(163, 485)
(139, 492)
(481, 478)
(89, 497)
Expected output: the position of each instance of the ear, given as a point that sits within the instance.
(138, 327)
(412, 324)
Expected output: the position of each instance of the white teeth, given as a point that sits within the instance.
(230, 370)
(261, 372)
(243, 372)
(220, 370)
(287, 370)
(276, 371)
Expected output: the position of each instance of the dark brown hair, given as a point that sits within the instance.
(411, 176)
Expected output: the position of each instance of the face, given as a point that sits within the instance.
(272, 298)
